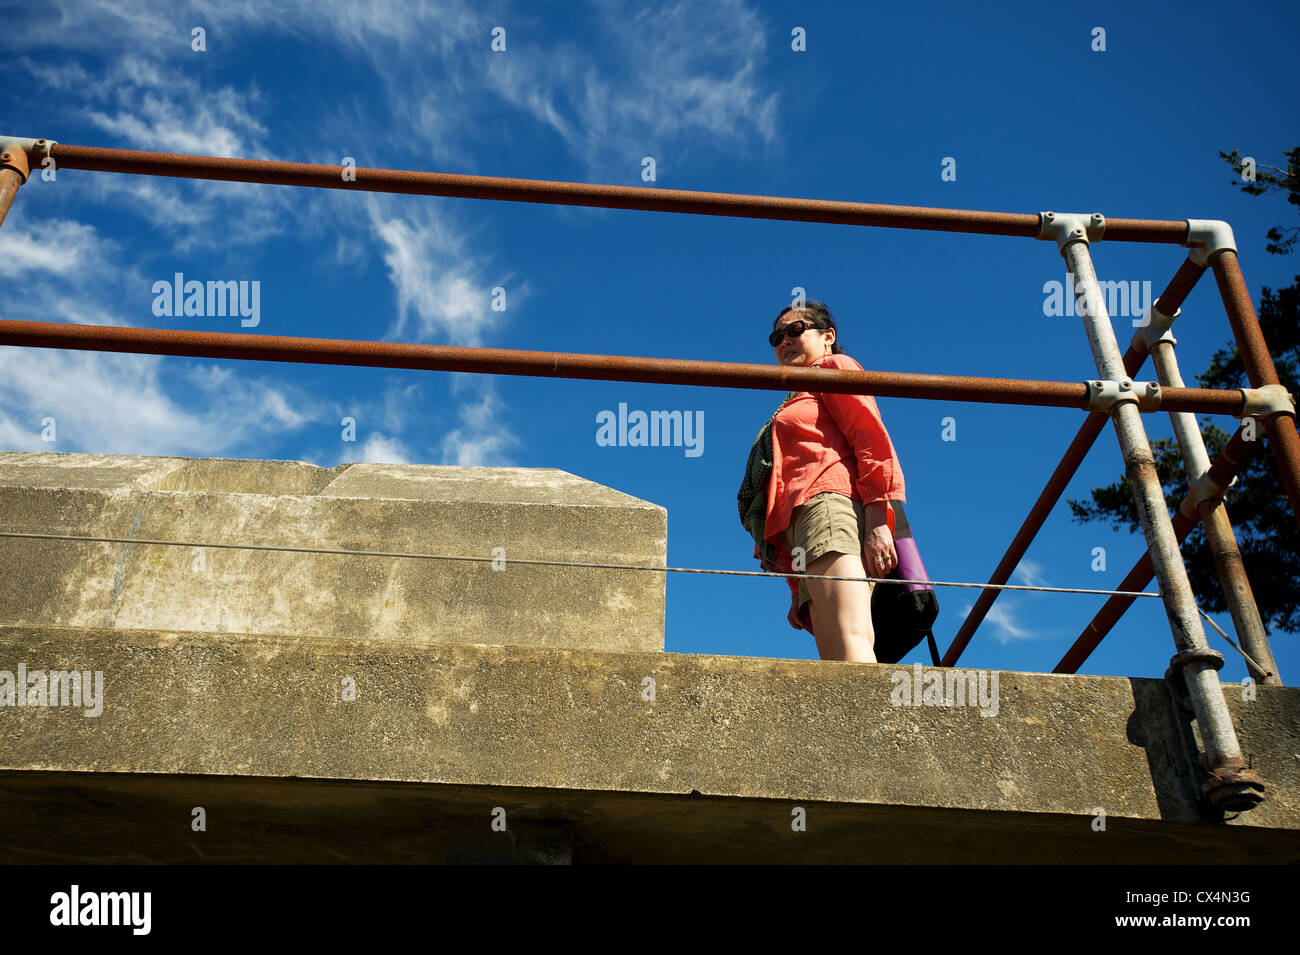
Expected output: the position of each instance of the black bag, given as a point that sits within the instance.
(902, 614)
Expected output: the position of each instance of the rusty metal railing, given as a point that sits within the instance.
(1113, 395)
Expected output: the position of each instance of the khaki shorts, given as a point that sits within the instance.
(825, 523)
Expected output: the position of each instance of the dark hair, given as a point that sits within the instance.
(819, 313)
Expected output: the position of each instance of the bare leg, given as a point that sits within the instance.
(841, 609)
(829, 647)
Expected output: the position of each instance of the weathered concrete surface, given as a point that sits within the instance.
(228, 679)
(53, 818)
(566, 740)
(531, 513)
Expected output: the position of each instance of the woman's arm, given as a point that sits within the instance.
(880, 477)
(878, 553)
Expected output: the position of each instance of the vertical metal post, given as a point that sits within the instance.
(1231, 784)
(13, 173)
(1258, 363)
(1213, 513)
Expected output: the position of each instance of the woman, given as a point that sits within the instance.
(833, 473)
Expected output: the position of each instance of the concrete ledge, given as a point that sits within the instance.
(542, 721)
(103, 818)
(532, 513)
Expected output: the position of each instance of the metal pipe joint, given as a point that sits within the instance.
(1066, 227)
(1207, 238)
(1267, 402)
(1202, 488)
(1155, 327)
(19, 154)
(1103, 395)
(1232, 786)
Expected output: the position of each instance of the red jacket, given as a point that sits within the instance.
(827, 442)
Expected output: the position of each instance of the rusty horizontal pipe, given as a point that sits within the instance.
(1229, 462)
(1170, 300)
(583, 194)
(1258, 364)
(502, 361)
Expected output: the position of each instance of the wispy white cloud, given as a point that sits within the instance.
(482, 439)
(113, 403)
(1005, 619)
(153, 104)
(64, 270)
(380, 449)
(60, 247)
(441, 292)
(1007, 623)
(669, 81)
(375, 421)
(401, 403)
(673, 82)
(168, 124)
(160, 105)
(1029, 573)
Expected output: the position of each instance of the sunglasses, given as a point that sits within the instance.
(793, 330)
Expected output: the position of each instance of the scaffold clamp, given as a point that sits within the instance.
(1266, 402)
(1207, 238)
(19, 154)
(1231, 785)
(1104, 395)
(1066, 227)
(1202, 488)
(1155, 328)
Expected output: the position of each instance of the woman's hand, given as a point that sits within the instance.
(793, 615)
(878, 553)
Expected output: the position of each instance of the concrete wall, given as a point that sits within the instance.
(531, 513)
(559, 733)
(386, 713)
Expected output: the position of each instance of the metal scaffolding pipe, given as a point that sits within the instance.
(1231, 785)
(1281, 428)
(583, 194)
(1230, 461)
(1033, 523)
(13, 173)
(1175, 293)
(1218, 530)
(1180, 286)
(501, 361)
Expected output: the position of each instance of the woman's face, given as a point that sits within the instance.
(813, 345)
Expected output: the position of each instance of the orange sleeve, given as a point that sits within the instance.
(880, 477)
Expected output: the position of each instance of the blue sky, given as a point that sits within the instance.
(1033, 117)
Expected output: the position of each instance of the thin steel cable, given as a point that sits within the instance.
(1233, 643)
(572, 563)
